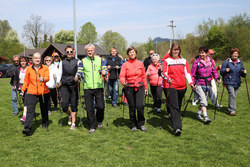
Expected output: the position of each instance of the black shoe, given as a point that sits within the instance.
(15, 114)
(45, 126)
(177, 132)
(27, 132)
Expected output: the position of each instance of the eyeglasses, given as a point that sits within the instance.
(68, 52)
(151, 53)
(47, 60)
(55, 56)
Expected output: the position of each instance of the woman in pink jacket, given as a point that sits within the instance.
(155, 81)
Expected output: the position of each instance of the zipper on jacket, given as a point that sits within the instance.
(92, 73)
(36, 83)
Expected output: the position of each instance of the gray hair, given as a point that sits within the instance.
(155, 55)
(89, 45)
(15, 56)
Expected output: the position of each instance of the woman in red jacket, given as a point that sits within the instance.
(35, 83)
(155, 81)
(174, 70)
(133, 78)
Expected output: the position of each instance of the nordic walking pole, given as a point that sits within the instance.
(184, 111)
(224, 84)
(123, 107)
(215, 107)
(79, 100)
(60, 109)
(247, 90)
(105, 104)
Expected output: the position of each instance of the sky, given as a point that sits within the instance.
(135, 20)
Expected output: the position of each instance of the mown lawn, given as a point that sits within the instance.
(225, 142)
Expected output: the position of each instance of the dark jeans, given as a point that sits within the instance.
(53, 95)
(113, 88)
(31, 101)
(157, 95)
(174, 106)
(136, 101)
(89, 95)
(69, 95)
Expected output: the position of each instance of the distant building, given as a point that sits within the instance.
(59, 48)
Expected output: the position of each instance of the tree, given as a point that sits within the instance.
(113, 39)
(87, 34)
(12, 36)
(36, 30)
(149, 45)
(64, 36)
(4, 28)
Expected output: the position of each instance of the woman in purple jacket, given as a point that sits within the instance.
(203, 70)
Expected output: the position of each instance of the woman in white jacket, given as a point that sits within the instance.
(53, 80)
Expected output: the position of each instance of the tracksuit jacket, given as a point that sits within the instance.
(236, 71)
(133, 72)
(114, 73)
(203, 72)
(155, 78)
(176, 69)
(32, 83)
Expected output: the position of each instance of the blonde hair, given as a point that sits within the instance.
(44, 60)
(36, 55)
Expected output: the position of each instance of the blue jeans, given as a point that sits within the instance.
(14, 100)
(113, 88)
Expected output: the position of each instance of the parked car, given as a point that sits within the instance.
(3, 69)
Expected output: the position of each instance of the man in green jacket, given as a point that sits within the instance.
(92, 69)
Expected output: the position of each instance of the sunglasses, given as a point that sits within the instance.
(47, 60)
(56, 56)
(69, 52)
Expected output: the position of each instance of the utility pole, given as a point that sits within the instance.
(172, 31)
(74, 18)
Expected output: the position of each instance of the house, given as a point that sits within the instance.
(59, 48)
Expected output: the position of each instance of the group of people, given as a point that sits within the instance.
(45, 80)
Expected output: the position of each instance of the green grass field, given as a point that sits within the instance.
(225, 142)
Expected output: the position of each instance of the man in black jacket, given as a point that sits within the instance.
(11, 73)
(148, 60)
(114, 66)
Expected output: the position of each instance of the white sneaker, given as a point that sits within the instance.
(198, 116)
(159, 110)
(193, 103)
(207, 120)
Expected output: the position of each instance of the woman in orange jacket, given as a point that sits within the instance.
(133, 78)
(35, 83)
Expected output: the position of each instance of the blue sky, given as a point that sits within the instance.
(136, 20)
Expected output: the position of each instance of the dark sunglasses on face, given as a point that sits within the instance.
(55, 56)
(69, 52)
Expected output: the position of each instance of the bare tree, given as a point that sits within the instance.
(36, 30)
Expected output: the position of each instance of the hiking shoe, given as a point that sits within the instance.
(199, 117)
(70, 120)
(218, 105)
(23, 119)
(27, 132)
(45, 126)
(177, 132)
(134, 129)
(49, 113)
(207, 120)
(115, 105)
(99, 125)
(15, 114)
(143, 128)
(55, 109)
(193, 103)
(159, 110)
(91, 131)
(72, 127)
(233, 113)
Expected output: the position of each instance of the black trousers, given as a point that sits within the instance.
(89, 95)
(174, 102)
(157, 95)
(31, 101)
(53, 95)
(69, 95)
(136, 101)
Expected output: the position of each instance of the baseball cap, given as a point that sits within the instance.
(210, 51)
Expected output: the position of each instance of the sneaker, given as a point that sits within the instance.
(207, 120)
(115, 105)
(55, 109)
(49, 113)
(109, 97)
(158, 110)
(23, 119)
(134, 129)
(198, 116)
(45, 126)
(177, 132)
(15, 114)
(72, 127)
(143, 128)
(193, 103)
(233, 113)
(99, 125)
(218, 105)
(27, 132)
(91, 131)
(70, 120)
